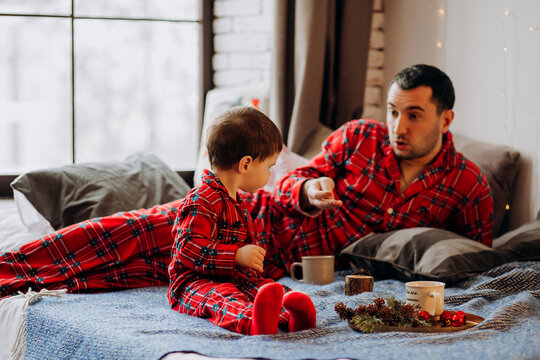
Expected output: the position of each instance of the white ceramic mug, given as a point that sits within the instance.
(426, 296)
(317, 270)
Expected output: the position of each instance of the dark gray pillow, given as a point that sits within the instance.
(500, 164)
(435, 254)
(69, 194)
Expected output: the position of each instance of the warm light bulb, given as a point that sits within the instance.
(439, 44)
(507, 207)
(505, 49)
(441, 12)
(506, 13)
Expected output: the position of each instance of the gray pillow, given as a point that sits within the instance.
(500, 164)
(436, 254)
(69, 194)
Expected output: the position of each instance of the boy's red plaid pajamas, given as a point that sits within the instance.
(204, 280)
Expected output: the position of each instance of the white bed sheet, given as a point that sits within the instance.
(11, 315)
(12, 235)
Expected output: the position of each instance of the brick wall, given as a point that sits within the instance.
(242, 41)
(243, 46)
(373, 97)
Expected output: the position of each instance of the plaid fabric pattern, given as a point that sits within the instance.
(125, 250)
(451, 193)
(132, 249)
(223, 304)
(204, 280)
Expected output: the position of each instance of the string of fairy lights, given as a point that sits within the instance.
(512, 28)
(508, 64)
(515, 23)
(440, 12)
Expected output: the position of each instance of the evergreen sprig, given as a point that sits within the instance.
(389, 312)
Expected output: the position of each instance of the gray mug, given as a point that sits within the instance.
(317, 270)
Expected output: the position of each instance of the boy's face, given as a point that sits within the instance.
(258, 173)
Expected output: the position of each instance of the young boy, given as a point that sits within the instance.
(215, 270)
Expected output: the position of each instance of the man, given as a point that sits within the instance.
(375, 178)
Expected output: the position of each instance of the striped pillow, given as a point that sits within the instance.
(436, 254)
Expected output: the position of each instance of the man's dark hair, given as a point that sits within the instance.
(241, 131)
(426, 75)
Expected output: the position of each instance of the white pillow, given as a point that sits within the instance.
(286, 162)
(220, 100)
(31, 218)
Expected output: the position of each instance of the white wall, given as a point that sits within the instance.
(412, 31)
(491, 50)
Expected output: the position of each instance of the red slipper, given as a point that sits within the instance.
(266, 309)
(301, 309)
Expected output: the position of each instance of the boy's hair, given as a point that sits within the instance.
(426, 75)
(241, 131)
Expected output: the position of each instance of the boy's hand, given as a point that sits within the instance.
(251, 256)
(319, 193)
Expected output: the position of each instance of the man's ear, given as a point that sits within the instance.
(447, 117)
(244, 164)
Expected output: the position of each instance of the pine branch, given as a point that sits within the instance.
(389, 312)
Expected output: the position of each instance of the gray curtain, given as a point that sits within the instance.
(319, 65)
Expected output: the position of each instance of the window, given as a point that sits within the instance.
(97, 80)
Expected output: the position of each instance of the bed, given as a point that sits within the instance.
(500, 284)
(138, 323)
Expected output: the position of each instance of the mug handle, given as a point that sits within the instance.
(293, 266)
(435, 295)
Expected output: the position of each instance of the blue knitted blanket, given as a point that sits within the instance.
(138, 324)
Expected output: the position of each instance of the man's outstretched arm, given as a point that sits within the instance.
(310, 189)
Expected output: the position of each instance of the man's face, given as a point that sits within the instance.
(414, 127)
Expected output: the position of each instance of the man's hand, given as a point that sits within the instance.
(251, 256)
(318, 193)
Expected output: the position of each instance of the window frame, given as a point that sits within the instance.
(206, 12)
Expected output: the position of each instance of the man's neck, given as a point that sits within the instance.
(410, 169)
(408, 166)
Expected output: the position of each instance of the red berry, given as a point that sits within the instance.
(446, 315)
(460, 313)
(458, 320)
(424, 315)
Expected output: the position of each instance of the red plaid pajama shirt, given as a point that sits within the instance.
(204, 280)
(451, 193)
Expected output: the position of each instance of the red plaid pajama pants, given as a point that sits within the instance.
(223, 304)
(124, 250)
